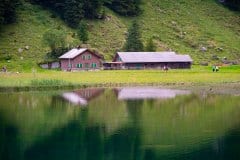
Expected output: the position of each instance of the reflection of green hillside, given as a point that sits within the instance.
(175, 125)
(106, 110)
(188, 122)
(40, 126)
(35, 115)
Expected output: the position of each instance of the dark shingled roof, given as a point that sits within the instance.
(141, 57)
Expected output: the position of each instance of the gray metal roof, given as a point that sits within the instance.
(141, 57)
(73, 53)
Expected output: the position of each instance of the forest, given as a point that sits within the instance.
(72, 11)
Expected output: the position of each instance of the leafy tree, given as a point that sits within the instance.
(133, 40)
(83, 32)
(56, 40)
(73, 12)
(150, 47)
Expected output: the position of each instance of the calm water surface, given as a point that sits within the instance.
(119, 124)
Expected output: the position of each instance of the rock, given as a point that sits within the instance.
(203, 49)
(219, 49)
(108, 18)
(174, 23)
(20, 50)
(27, 47)
(215, 57)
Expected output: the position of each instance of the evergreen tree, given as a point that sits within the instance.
(73, 12)
(1, 13)
(125, 7)
(133, 40)
(235, 4)
(8, 11)
(93, 8)
(83, 32)
(150, 46)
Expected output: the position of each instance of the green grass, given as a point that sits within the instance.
(182, 26)
(195, 76)
(48, 82)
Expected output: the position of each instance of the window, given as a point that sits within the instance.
(79, 65)
(83, 57)
(69, 65)
(94, 65)
(89, 56)
(119, 59)
(86, 65)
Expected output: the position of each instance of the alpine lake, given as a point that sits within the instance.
(128, 123)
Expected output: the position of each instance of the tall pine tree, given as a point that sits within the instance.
(125, 7)
(83, 32)
(235, 4)
(8, 11)
(73, 12)
(133, 40)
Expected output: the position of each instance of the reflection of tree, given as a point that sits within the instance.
(134, 108)
(78, 140)
(74, 141)
(224, 148)
(124, 144)
(149, 155)
(9, 146)
(57, 102)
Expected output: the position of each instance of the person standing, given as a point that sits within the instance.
(217, 68)
(213, 68)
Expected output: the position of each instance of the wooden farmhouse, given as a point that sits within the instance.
(148, 60)
(80, 59)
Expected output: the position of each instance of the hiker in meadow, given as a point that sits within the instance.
(165, 68)
(217, 68)
(213, 68)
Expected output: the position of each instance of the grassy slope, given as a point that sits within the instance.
(183, 26)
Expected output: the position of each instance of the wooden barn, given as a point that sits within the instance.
(80, 59)
(148, 60)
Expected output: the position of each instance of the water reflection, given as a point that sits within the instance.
(82, 96)
(145, 127)
(149, 93)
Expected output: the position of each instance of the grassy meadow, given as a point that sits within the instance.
(196, 76)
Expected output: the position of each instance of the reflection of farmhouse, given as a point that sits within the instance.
(82, 96)
(80, 59)
(148, 60)
(148, 93)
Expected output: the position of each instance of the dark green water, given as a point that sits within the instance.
(121, 124)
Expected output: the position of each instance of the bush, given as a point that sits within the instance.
(48, 82)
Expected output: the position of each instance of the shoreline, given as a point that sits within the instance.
(206, 87)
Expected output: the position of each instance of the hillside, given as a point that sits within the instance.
(187, 27)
